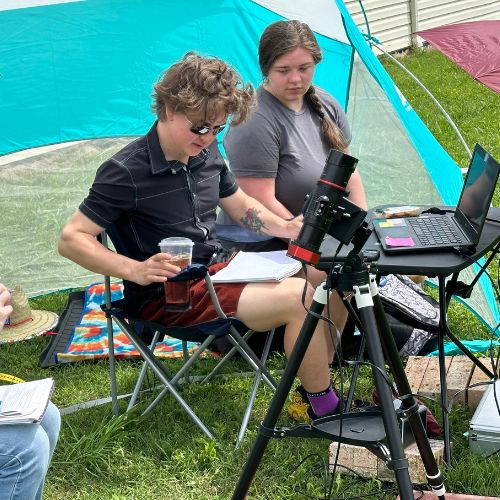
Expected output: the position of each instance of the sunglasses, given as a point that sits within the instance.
(205, 129)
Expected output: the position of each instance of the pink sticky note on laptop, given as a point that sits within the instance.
(392, 241)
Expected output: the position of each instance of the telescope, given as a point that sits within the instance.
(327, 210)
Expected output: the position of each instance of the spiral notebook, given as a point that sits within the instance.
(26, 402)
(248, 267)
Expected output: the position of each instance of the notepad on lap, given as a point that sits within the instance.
(258, 267)
(26, 402)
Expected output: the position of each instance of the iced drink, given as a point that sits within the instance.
(177, 297)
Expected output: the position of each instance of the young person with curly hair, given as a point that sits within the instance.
(169, 183)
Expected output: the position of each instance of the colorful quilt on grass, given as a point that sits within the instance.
(90, 336)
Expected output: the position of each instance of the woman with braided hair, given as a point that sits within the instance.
(278, 155)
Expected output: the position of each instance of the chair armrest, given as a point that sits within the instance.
(237, 234)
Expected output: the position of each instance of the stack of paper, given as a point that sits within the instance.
(26, 402)
(258, 266)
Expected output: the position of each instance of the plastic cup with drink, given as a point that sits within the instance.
(177, 297)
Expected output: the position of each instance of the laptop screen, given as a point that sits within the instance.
(477, 192)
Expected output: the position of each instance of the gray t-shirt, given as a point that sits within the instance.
(279, 143)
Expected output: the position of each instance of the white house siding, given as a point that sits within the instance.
(432, 13)
(394, 21)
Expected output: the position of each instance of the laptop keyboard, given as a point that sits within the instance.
(435, 231)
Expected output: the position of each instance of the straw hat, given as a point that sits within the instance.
(25, 323)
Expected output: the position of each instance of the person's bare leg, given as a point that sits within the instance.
(336, 308)
(263, 306)
(339, 315)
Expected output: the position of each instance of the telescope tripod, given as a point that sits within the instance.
(378, 430)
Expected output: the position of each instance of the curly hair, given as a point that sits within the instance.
(203, 87)
(282, 37)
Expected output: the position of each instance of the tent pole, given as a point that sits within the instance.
(366, 21)
(428, 92)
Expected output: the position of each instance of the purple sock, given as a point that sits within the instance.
(323, 402)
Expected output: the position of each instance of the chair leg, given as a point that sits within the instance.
(185, 356)
(226, 358)
(176, 379)
(111, 349)
(253, 393)
(112, 368)
(160, 373)
(142, 375)
(192, 359)
(237, 340)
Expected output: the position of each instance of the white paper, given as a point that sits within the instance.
(258, 266)
(25, 402)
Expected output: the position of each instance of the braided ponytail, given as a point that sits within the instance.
(330, 133)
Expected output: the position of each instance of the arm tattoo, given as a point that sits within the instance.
(252, 221)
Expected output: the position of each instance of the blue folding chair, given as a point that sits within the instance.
(205, 334)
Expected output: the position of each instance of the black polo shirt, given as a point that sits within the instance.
(141, 198)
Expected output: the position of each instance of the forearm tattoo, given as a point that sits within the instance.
(252, 221)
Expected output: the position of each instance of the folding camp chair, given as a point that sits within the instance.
(205, 333)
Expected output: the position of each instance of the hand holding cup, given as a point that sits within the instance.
(177, 298)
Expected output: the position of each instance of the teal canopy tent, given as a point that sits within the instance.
(83, 71)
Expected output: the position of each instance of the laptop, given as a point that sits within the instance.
(460, 229)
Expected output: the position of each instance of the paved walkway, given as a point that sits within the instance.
(450, 496)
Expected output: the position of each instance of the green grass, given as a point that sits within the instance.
(166, 456)
(473, 107)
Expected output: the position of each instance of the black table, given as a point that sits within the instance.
(430, 264)
(437, 263)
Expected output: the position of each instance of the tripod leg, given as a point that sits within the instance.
(267, 428)
(361, 351)
(398, 462)
(407, 400)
